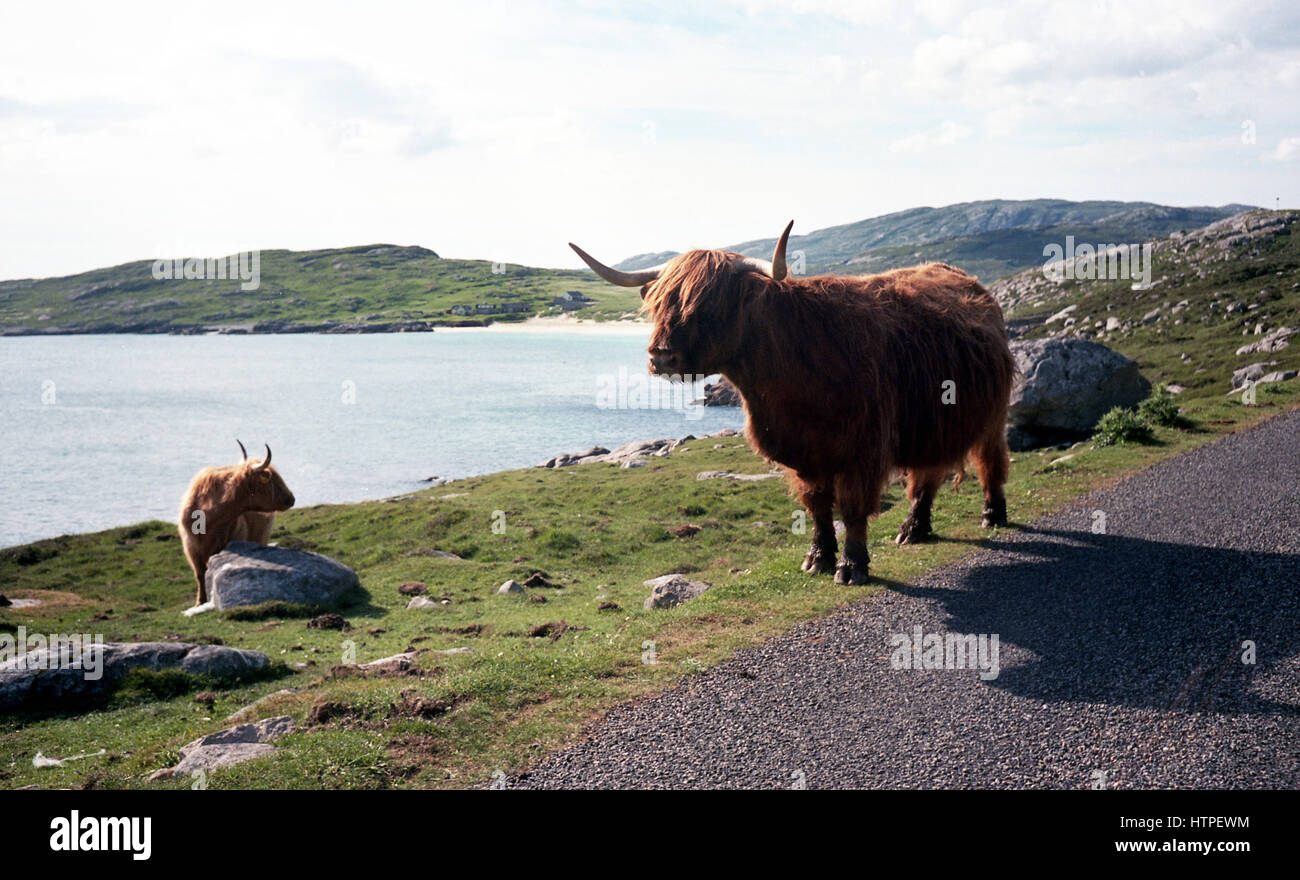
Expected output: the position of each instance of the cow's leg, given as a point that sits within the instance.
(853, 567)
(859, 499)
(200, 569)
(921, 488)
(992, 462)
(819, 501)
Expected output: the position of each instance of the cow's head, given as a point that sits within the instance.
(696, 302)
(261, 485)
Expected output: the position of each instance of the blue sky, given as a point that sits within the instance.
(503, 130)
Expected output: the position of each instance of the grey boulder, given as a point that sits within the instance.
(234, 745)
(722, 393)
(1276, 340)
(1245, 375)
(50, 676)
(672, 589)
(249, 574)
(1065, 386)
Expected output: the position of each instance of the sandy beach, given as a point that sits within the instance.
(558, 324)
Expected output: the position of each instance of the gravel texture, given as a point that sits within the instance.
(1120, 658)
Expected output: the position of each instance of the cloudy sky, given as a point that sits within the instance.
(503, 130)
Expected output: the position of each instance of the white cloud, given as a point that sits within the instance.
(1288, 150)
(945, 134)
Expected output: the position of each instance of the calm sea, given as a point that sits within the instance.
(101, 431)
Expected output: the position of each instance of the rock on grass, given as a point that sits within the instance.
(45, 677)
(673, 589)
(234, 745)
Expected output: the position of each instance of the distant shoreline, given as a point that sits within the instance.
(544, 324)
(563, 324)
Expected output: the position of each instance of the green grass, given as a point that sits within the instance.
(368, 286)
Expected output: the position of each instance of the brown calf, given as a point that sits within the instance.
(233, 503)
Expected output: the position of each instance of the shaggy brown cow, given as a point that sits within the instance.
(845, 379)
(233, 503)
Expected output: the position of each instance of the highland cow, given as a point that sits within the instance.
(845, 379)
(233, 503)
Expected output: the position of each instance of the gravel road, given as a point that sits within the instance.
(1120, 658)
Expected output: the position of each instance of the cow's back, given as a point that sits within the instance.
(950, 360)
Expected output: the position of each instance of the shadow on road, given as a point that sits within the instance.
(1124, 621)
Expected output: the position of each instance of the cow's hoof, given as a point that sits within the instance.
(994, 516)
(851, 573)
(819, 561)
(912, 531)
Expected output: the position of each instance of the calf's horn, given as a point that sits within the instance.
(614, 276)
(242, 450)
(267, 462)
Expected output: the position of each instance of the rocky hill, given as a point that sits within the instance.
(990, 238)
(1220, 298)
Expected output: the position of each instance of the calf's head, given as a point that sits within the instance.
(260, 486)
(696, 302)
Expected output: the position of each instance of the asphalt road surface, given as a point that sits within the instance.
(1122, 658)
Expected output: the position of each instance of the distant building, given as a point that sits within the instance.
(571, 299)
(461, 310)
(487, 308)
(514, 307)
(572, 296)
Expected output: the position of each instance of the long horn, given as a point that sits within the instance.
(242, 450)
(614, 276)
(267, 462)
(775, 269)
(778, 255)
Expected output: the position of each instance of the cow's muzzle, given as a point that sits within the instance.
(665, 362)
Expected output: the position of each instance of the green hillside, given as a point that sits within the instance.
(358, 289)
(1211, 289)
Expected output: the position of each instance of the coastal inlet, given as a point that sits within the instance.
(108, 430)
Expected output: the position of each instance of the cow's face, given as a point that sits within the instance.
(695, 308)
(261, 486)
(697, 303)
(266, 490)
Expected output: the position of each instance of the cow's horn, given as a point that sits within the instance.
(267, 462)
(778, 255)
(614, 276)
(242, 450)
(775, 269)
